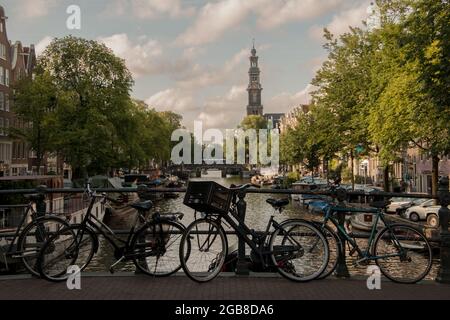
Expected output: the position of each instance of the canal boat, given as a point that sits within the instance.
(308, 184)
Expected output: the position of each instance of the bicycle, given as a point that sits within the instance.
(402, 252)
(297, 249)
(152, 247)
(27, 239)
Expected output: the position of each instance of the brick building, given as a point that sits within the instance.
(16, 62)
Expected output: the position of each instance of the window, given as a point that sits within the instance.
(2, 131)
(2, 51)
(6, 126)
(2, 75)
(7, 102)
(255, 97)
(7, 77)
(2, 101)
(1, 27)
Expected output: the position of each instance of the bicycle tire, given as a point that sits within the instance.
(416, 245)
(155, 250)
(27, 249)
(69, 237)
(284, 266)
(191, 238)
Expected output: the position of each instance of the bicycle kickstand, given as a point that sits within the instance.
(111, 268)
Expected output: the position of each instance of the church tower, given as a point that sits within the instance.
(254, 87)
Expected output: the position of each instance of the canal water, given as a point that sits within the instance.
(257, 217)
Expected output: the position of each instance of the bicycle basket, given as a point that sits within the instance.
(208, 197)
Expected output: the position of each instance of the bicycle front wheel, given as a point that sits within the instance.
(34, 236)
(203, 250)
(156, 248)
(403, 254)
(299, 251)
(71, 246)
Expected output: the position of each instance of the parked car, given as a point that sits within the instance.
(402, 206)
(398, 204)
(428, 210)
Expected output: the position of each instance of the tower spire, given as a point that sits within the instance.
(254, 106)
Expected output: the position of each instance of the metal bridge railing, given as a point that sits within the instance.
(242, 266)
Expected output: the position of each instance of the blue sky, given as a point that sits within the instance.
(191, 56)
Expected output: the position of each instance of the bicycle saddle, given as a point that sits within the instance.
(277, 204)
(34, 197)
(380, 204)
(142, 206)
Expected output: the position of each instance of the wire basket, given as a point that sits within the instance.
(208, 197)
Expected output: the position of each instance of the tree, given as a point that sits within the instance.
(412, 108)
(298, 144)
(343, 93)
(34, 105)
(253, 122)
(92, 88)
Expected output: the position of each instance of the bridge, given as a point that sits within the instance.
(196, 170)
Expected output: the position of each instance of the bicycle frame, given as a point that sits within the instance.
(379, 216)
(243, 231)
(96, 225)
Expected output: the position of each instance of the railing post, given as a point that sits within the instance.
(41, 206)
(444, 214)
(242, 265)
(341, 269)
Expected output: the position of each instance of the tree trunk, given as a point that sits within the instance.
(352, 157)
(435, 175)
(386, 178)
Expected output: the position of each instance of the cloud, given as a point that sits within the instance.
(225, 112)
(214, 20)
(144, 56)
(217, 18)
(353, 16)
(173, 99)
(35, 8)
(150, 9)
(42, 44)
(200, 77)
(275, 13)
(285, 101)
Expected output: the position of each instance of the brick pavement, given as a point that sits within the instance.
(140, 287)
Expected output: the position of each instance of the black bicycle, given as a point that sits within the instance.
(297, 249)
(26, 241)
(152, 245)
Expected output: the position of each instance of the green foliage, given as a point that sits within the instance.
(253, 122)
(81, 109)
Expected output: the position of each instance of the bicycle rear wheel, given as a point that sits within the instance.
(335, 249)
(71, 246)
(299, 251)
(203, 250)
(33, 237)
(156, 248)
(405, 256)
